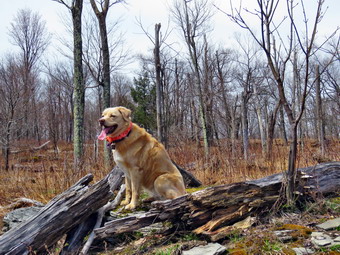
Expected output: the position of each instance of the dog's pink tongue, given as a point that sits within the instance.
(102, 135)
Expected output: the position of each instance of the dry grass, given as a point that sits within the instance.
(43, 174)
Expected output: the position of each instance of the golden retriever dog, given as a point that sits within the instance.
(143, 159)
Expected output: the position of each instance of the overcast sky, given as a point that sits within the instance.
(150, 12)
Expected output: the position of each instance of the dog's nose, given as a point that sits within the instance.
(101, 121)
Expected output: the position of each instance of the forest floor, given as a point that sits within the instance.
(43, 174)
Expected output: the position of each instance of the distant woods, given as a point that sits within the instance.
(211, 95)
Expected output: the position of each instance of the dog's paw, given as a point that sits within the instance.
(130, 206)
(125, 202)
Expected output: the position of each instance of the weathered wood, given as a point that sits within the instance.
(33, 149)
(75, 238)
(59, 216)
(208, 210)
(101, 212)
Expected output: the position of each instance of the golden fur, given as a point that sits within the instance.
(143, 159)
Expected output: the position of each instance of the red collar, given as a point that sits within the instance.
(120, 137)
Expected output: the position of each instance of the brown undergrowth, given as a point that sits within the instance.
(43, 174)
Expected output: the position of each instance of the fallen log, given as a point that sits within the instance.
(33, 149)
(60, 216)
(210, 210)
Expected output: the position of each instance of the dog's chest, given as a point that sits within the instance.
(118, 158)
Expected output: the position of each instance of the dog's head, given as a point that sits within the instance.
(114, 121)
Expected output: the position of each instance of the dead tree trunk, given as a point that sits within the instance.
(210, 210)
(59, 216)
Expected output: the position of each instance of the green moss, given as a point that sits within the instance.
(299, 231)
(192, 190)
(237, 252)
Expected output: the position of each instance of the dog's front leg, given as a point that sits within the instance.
(135, 189)
(127, 191)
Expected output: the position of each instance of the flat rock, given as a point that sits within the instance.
(209, 249)
(315, 234)
(17, 216)
(321, 239)
(284, 235)
(303, 251)
(330, 224)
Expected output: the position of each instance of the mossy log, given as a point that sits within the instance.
(59, 216)
(210, 210)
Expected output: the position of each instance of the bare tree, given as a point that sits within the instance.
(101, 9)
(278, 57)
(28, 32)
(12, 93)
(158, 40)
(159, 87)
(59, 90)
(319, 114)
(76, 8)
(192, 18)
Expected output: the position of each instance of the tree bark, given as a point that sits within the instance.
(271, 129)
(319, 115)
(260, 122)
(159, 90)
(244, 120)
(79, 86)
(106, 82)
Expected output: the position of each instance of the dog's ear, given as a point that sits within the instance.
(126, 113)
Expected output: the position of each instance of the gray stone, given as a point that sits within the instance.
(283, 235)
(337, 240)
(209, 249)
(330, 224)
(302, 251)
(321, 240)
(322, 243)
(315, 234)
(17, 216)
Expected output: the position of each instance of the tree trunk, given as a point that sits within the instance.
(226, 107)
(271, 129)
(190, 40)
(319, 115)
(7, 150)
(291, 173)
(79, 86)
(159, 94)
(260, 122)
(106, 83)
(244, 120)
(283, 126)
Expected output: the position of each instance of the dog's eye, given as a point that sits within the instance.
(113, 116)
